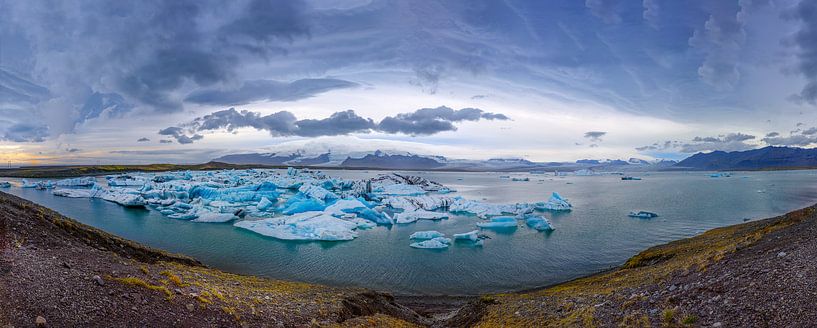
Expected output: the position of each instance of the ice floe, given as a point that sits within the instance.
(435, 243)
(302, 204)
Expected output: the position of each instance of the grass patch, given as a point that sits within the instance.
(689, 320)
(134, 281)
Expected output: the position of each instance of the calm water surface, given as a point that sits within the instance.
(595, 236)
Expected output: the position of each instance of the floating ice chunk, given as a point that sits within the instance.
(125, 180)
(436, 243)
(498, 222)
(399, 190)
(540, 223)
(28, 184)
(317, 192)
(213, 217)
(264, 204)
(426, 234)
(520, 179)
(304, 226)
(122, 198)
(5, 184)
(75, 193)
(484, 210)
(371, 215)
(413, 203)
(471, 235)
(344, 206)
(306, 205)
(291, 171)
(555, 203)
(412, 216)
(642, 214)
(77, 182)
(236, 194)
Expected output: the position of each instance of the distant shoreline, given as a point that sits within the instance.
(69, 171)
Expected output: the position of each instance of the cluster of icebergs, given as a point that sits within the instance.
(305, 204)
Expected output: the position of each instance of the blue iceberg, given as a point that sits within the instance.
(539, 223)
(498, 222)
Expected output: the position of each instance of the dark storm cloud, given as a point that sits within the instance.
(143, 140)
(25, 132)
(267, 90)
(772, 134)
(594, 135)
(805, 40)
(425, 121)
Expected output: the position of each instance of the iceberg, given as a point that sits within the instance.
(555, 203)
(520, 179)
(344, 206)
(498, 222)
(28, 184)
(399, 190)
(317, 192)
(436, 243)
(77, 182)
(264, 204)
(539, 223)
(303, 226)
(485, 210)
(125, 181)
(371, 215)
(75, 193)
(413, 203)
(426, 235)
(471, 235)
(5, 184)
(412, 216)
(213, 217)
(124, 199)
(297, 205)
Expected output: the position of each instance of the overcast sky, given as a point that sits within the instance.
(187, 81)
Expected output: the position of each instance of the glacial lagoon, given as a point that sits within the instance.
(596, 235)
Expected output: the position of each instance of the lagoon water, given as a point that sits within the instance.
(595, 236)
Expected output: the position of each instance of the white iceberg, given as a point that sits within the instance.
(303, 226)
(435, 243)
(399, 190)
(426, 234)
(125, 180)
(344, 206)
(413, 203)
(412, 216)
(213, 217)
(471, 235)
(498, 222)
(77, 182)
(317, 192)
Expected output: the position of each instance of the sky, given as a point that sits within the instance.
(154, 81)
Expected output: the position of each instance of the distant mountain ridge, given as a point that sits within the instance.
(396, 160)
(757, 159)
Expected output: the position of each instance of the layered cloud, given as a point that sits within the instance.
(425, 121)
(267, 90)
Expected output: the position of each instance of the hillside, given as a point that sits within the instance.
(757, 159)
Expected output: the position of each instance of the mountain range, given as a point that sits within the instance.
(766, 158)
(395, 160)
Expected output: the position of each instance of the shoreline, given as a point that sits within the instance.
(70, 171)
(646, 270)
